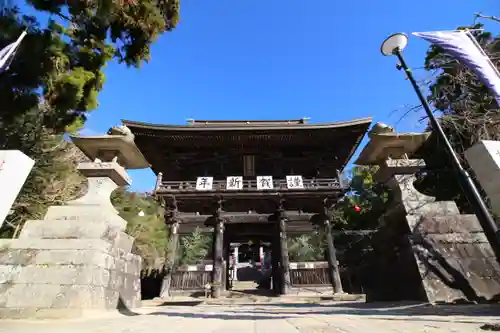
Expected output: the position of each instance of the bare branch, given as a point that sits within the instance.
(487, 17)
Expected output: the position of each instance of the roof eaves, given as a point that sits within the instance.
(160, 127)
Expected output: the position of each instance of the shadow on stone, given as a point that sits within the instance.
(180, 303)
(124, 310)
(378, 309)
(246, 316)
(248, 273)
(490, 327)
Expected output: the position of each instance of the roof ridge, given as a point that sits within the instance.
(202, 122)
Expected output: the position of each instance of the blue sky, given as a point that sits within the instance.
(279, 60)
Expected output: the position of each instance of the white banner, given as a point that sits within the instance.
(15, 167)
(465, 48)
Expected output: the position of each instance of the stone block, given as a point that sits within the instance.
(454, 258)
(419, 208)
(109, 170)
(76, 257)
(57, 257)
(123, 242)
(57, 296)
(17, 256)
(68, 229)
(56, 274)
(85, 214)
(41, 313)
(133, 266)
(14, 295)
(57, 244)
(484, 159)
(400, 167)
(438, 223)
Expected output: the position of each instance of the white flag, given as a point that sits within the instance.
(8, 53)
(464, 47)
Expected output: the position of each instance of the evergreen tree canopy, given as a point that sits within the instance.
(60, 62)
(55, 77)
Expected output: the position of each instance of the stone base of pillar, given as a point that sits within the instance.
(75, 260)
(64, 267)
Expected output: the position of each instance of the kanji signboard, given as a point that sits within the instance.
(294, 182)
(234, 183)
(265, 182)
(204, 183)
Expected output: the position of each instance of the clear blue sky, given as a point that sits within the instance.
(279, 59)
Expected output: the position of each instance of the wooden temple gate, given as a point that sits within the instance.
(249, 179)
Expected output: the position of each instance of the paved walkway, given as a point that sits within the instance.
(275, 318)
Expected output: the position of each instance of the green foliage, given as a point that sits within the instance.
(148, 230)
(60, 62)
(194, 248)
(365, 193)
(306, 247)
(54, 80)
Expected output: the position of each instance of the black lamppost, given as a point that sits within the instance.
(393, 46)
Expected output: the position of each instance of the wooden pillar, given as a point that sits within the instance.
(227, 263)
(275, 262)
(284, 260)
(218, 264)
(173, 243)
(218, 252)
(333, 267)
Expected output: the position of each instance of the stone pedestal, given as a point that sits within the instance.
(449, 249)
(78, 258)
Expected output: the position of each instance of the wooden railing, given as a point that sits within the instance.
(195, 280)
(309, 273)
(309, 184)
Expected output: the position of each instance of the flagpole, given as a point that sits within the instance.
(456, 30)
(481, 210)
(13, 49)
(483, 52)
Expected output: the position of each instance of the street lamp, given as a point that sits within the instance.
(394, 45)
